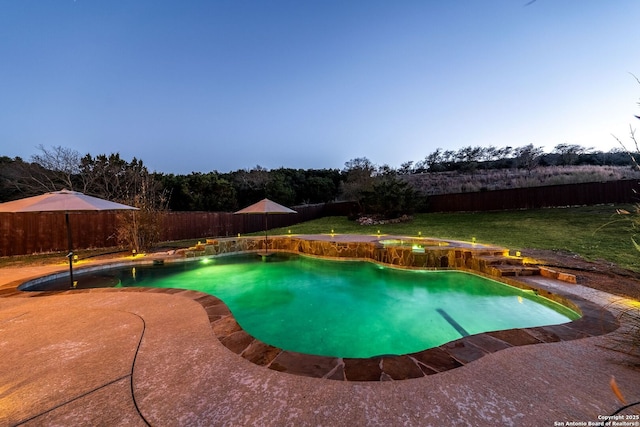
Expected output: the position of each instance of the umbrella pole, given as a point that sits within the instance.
(70, 254)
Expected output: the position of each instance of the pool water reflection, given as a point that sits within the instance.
(353, 309)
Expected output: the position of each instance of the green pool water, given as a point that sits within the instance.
(353, 308)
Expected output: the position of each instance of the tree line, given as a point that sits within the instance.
(380, 189)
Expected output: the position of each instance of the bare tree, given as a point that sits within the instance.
(632, 136)
(52, 169)
(109, 177)
(141, 230)
(633, 154)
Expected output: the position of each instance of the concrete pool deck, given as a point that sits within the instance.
(119, 357)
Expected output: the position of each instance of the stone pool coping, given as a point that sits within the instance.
(595, 321)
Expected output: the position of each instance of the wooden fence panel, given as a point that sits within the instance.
(26, 233)
(594, 193)
(190, 225)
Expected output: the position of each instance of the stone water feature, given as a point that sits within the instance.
(389, 250)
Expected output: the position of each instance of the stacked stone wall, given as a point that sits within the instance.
(435, 257)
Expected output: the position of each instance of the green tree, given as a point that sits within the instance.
(406, 168)
(320, 186)
(434, 162)
(113, 178)
(250, 185)
(389, 197)
(280, 186)
(320, 189)
(200, 192)
(569, 153)
(528, 157)
(358, 178)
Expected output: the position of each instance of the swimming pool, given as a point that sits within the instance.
(352, 309)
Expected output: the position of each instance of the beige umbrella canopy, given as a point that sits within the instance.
(63, 201)
(265, 207)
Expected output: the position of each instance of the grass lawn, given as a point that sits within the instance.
(594, 232)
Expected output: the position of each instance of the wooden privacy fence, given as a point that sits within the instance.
(592, 193)
(27, 233)
(190, 225)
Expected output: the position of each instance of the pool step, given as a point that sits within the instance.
(500, 260)
(500, 266)
(514, 270)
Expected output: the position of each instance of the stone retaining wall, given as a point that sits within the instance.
(445, 255)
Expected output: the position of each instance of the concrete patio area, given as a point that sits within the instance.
(126, 357)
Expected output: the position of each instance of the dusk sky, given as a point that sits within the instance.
(225, 85)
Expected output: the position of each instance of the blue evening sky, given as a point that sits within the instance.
(231, 84)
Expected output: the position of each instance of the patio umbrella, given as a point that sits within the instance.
(63, 201)
(265, 207)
